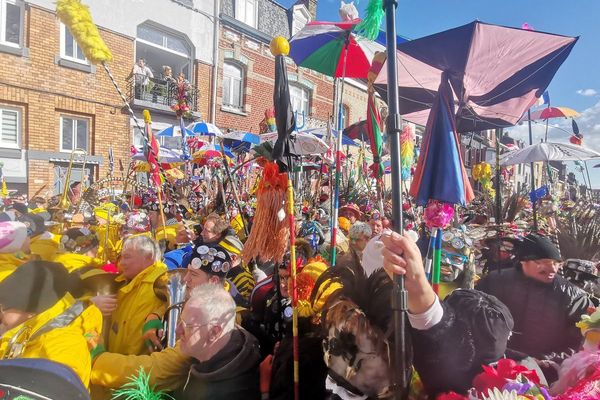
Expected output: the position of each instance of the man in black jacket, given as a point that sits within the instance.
(545, 306)
(225, 357)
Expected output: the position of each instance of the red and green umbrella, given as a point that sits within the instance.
(320, 46)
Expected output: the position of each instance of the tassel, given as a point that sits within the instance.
(270, 234)
(407, 151)
(77, 18)
(369, 27)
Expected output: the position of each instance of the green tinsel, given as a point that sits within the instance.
(138, 388)
(369, 27)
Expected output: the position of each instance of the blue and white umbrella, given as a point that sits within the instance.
(164, 155)
(172, 131)
(240, 136)
(321, 133)
(204, 129)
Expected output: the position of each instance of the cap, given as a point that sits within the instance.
(537, 247)
(232, 244)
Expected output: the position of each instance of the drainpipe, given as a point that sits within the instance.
(215, 71)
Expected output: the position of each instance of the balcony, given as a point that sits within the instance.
(158, 94)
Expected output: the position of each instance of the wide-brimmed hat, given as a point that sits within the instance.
(353, 208)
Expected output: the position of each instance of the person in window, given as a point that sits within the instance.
(141, 74)
(168, 74)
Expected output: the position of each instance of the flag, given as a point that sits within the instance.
(544, 99)
(440, 174)
(152, 150)
(373, 127)
(284, 115)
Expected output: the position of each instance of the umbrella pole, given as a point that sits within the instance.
(587, 171)
(295, 346)
(338, 160)
(533, 203)
(236, 198)
(498, 177)
(394, 128)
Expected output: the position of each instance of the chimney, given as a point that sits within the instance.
(311, 6)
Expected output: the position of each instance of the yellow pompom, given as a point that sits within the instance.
(78, 20)
(147, 118)
(279, 46)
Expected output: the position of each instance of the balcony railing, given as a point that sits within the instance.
(160, 92)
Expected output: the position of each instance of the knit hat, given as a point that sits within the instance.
(34, 287)
(537, 247)
(12, 236)
(212, 259)
(79, 240)
(232, 244)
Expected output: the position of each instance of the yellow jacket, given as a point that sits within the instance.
(107, 247)
(46, 245)
(9, 262)
(135, 301)
(168, 233)
(168, 369)
(66, 345)
(74, 261)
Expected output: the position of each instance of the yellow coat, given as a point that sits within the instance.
(135, 301)
(46, 246)
(74, 261)
(168, 369)
(107, 247)
(65, 345)
(9, 263)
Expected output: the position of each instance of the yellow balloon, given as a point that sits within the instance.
(279, 46)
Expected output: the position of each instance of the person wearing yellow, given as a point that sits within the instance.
(141, 266)
(239, 274)
(80, 247)
(14, 243)
(43, 244)
(40, 319)
(105, 215)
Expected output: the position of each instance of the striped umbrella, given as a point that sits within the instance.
(172, 131)
(205, 129)
(320, 46)
(552, 112)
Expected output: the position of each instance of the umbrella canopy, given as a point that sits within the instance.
(552, 112)
(240, 136)
(164, 155)
(320, 46)
(174, 131)
(548, 152)
(496, 73)
(357, 131)
(322, 133)
(205, 129)
(301, 144)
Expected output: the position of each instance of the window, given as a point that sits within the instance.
(74, 133)
(9, 128)
(246, 11)
(300, 99)
(232, 86)
(69, 49)
(11, 22)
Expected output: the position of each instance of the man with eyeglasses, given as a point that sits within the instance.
(545, 306)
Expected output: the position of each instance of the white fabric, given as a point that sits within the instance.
(548, 152)
(429, 318)
(372, 258)
(333, 387)
(12, 236)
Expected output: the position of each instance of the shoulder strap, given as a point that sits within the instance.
(61, 320)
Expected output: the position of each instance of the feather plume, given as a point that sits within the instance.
(407, 150)
(147, 117)
(77, 18)
(138, 388)
(369, 27)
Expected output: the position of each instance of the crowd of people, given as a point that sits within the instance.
(127, 293)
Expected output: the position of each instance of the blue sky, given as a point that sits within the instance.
(577, 83)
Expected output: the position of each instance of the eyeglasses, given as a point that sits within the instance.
(454, 258)
(185, 325)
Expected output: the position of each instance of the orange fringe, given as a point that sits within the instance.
(269, 238)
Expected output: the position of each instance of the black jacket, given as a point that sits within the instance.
(544, 313)
(231, 374)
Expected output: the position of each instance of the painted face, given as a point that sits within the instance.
(543, 270)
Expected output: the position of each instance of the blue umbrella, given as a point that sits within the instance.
(205, 129)
(170, 132)
(322, 132)
(241, 141)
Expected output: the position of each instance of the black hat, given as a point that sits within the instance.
(79, 240)
(212, 259)
(20, 207)
(537, 247)
(35, 224)
(34, 287)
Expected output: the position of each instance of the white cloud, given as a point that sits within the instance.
(587, 92)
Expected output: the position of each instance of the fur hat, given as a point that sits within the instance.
(12, 236)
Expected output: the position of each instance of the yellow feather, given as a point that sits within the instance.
(147, 118)
(76, 16)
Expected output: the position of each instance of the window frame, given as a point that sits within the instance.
(299, 9)
(74, 133)
(308, 92)
(3, 7)
(63, 47)
(244, 18)
(4, 145)
(242, 92)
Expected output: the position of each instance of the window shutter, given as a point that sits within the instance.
(10, 134)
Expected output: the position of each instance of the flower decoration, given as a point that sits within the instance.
(509, 376)
(438, 214)
(182, 100)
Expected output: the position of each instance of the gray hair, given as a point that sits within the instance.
(216, 304)
(144, 245)
(358, 229)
